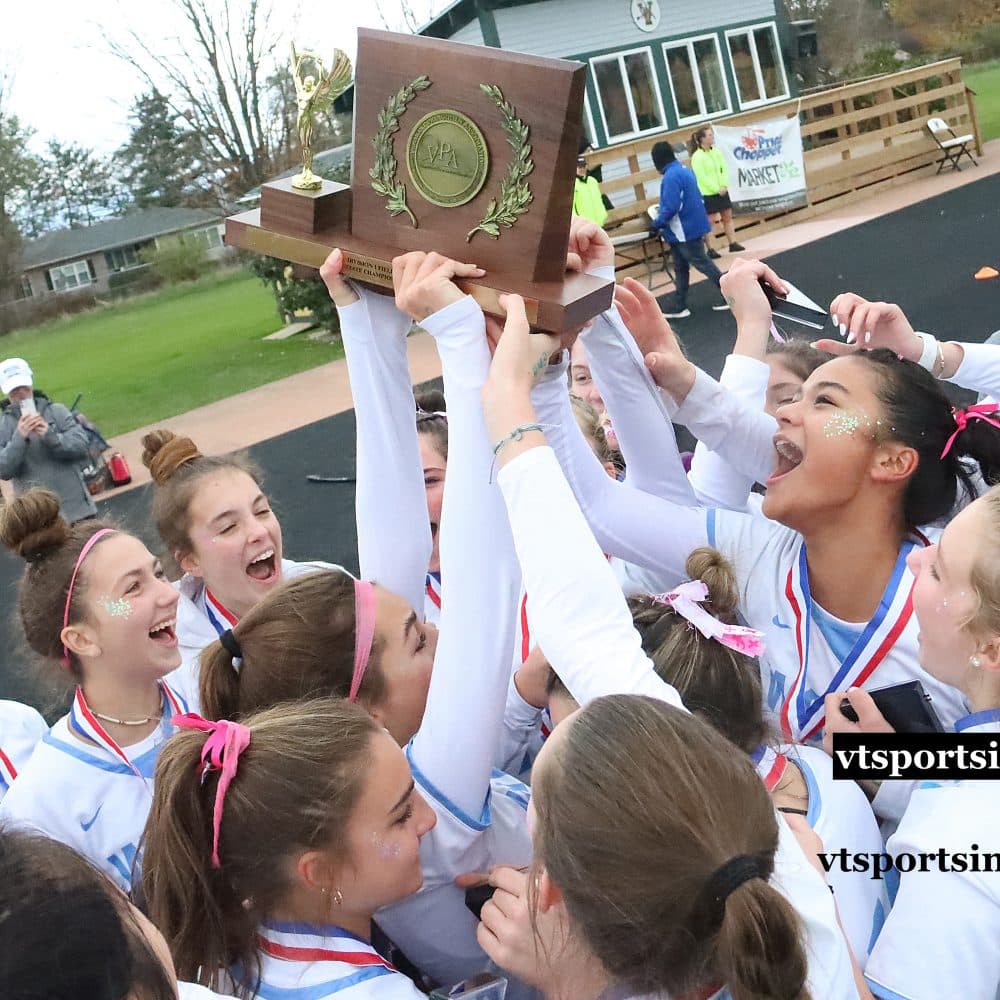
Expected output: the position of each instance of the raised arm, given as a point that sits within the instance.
(456, 747)
(394, 536)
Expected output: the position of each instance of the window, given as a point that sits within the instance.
(208, 238)
(757, 65)
(629, 98)
(122, 258)
(24, 290)
(70, 276)
(696, 78)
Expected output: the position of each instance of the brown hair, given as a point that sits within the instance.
(589, 421)
(429, 404)
(296, 643)
(32, 527)
(718, 684)
(694, 143)
(634, 851)
(798, 356)
(177, 467)
(294, 790)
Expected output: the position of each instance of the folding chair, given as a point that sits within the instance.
(954, 147)
(644, 248)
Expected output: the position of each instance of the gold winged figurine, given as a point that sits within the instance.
(315, 92)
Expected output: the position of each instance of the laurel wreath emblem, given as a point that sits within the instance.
(383, 174)
(515, 194)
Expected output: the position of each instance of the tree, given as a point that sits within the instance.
(214, 78)
(161, 162)
(18, 169)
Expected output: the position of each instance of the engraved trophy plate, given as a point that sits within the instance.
(447, 158)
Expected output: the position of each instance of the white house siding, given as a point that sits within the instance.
(471, 34)
(564, 28)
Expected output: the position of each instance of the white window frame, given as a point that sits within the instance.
(24, 288)
(78, 267)
(689, 43)
(208, 236)
(749, 30)
(620, 58)
(127, 248)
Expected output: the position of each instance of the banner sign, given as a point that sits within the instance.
(766, 173)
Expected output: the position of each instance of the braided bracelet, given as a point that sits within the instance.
(515, 435)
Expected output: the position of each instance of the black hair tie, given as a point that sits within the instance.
(232, 646)
(710, 906)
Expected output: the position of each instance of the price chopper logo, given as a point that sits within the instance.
(756, 145)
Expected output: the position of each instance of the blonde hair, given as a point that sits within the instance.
(985, 575)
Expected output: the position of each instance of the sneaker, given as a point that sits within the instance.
(714, 254)
(678, 313)
(736, 248)
(720, 307)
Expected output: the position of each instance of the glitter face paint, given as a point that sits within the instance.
(845, 424)
(385, 851)
(116, 608)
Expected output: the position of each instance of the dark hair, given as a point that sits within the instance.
(66, 931)
(663, 155)
(638, 806)
(429, 404)
(919, 415)
(798, 356)
(32, 527)
(694, 143)
(717, 683)
(296, 643)
(177, 467)
(294, 790)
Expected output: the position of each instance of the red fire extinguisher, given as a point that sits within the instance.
(119, 470)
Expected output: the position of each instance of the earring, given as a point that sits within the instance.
(338, 897)
(976, 662)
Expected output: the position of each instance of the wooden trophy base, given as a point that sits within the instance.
(302, 227)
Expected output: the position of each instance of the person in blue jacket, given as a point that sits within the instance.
(683, 222)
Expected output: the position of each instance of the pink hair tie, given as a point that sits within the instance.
(221, 752)
(84, 552)
(981, 411)
(685, 600)
(364, 633)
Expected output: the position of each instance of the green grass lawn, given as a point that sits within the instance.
(984, 79)
(142, 360)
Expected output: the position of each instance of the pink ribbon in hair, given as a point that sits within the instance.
(227, 740)
(981, 411)
(686, 600)
(364, 633)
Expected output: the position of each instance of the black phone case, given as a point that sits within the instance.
(477, 897)
(793, 311)
(907, 708)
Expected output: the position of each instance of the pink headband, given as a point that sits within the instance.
(221, 752)
(685, 600)
(84, 552)
(981, 411)
(364, 633)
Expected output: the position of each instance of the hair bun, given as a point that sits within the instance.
(32, 525)
(716, 572)
(164, 452)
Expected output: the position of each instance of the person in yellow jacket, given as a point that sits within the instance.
(587, 199)
(713, 183)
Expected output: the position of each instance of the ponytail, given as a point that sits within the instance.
(295, 787)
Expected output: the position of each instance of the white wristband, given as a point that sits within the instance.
(929, 355)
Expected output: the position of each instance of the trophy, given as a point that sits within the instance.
(466, 150)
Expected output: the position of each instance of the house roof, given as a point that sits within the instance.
(136, 227)
(322, 162)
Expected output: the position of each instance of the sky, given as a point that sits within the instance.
(63, 83)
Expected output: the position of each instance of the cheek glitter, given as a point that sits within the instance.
(844, 425)
(385, 851)
(117, 608)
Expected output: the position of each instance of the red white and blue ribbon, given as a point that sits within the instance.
(7, 771)
(801, 718)
(305, 943)
(83, 722)
(771, 766)
(434, 589)
(217, 614)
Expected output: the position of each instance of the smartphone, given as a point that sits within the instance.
(477, 897)
(28, 407)
(907, 708)
(482, 987)
(795, 306)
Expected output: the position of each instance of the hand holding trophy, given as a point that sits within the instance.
(315, 92)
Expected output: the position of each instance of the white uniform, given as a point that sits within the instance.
(480, 812)
(21, 727)
(580, 619)
(940, 939)
(307, 962)
(842, 818)
(93, 796)
(200, 622)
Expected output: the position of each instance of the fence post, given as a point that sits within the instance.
(970, 100)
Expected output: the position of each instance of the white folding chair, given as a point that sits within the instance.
(953, 147)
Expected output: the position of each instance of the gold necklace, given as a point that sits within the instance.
(125, 722)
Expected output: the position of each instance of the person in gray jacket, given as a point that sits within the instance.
(41, 444)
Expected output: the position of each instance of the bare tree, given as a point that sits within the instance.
(217, 81)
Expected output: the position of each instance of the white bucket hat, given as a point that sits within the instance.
(14, 372)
